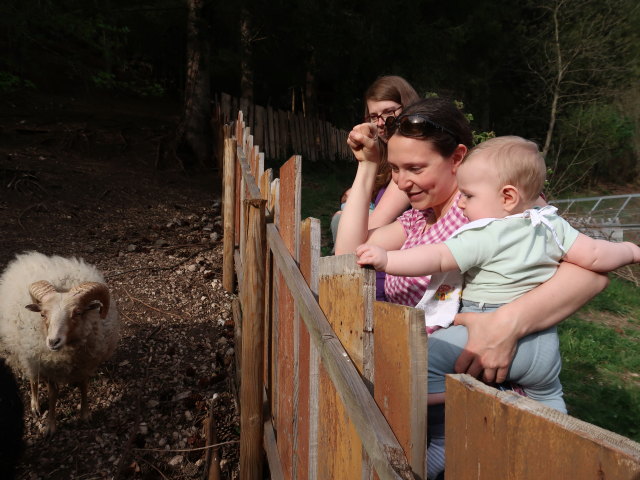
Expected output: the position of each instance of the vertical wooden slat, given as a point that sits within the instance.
(252, 299)
(265, 189)
(285, 134)
(287, 341)
(400, 386)
(229, 211)
(273, 399)
(344, 291)
(492, 434)
(259, 128)
(243, 105)
(270, 149)
(305, 444)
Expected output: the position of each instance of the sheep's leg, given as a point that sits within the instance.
(51, 417)
(35, 405)
(84, 403)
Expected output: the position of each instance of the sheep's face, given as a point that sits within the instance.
(61, 318)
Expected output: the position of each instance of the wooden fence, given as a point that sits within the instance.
(333, 383)
(280, 133)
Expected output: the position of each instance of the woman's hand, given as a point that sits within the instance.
(493, 336)
(363, 141)
(491, 345)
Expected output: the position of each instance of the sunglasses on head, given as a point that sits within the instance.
(415, 125)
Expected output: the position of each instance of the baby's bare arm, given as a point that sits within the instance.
(412, 262)
(601, 255)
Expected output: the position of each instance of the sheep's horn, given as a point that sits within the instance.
(39, 289)
(89, 291)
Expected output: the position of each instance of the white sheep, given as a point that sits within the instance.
(57, 324)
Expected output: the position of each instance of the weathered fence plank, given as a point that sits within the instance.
(305, 443)
(252, 385)
(229, 214)
(287, 322)
(492, 434)
(345, 294)
(400, 380)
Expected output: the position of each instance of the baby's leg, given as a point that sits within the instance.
(536, 366)
(445, 346)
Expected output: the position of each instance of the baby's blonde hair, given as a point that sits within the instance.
(517, 161)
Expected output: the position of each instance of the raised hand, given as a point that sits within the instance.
(363, 141)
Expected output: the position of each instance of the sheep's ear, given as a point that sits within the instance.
(33, 307)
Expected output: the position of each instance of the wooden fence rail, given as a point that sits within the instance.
(333, 383)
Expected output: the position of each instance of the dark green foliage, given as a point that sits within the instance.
(321, 56)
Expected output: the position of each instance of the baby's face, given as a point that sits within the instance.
(481, 195)
(345, 195)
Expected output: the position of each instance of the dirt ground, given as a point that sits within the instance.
(78, 177)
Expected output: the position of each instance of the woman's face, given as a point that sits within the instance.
(428, 178)
(381, 110)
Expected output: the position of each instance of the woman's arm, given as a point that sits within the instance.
(493, 336)
(353, 229)
(391, 205)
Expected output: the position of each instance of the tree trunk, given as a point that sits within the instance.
(194, 132)
(557, 84)
(310, 96)
(246, 51)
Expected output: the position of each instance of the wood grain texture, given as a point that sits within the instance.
(286, 363)
(345, 296)
(305, 443)
(400, 382)
(492, 434)
(251, 387)
(229, 214)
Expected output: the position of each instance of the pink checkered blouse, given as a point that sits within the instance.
(409, 290)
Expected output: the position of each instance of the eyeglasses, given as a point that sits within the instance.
(415, 125)
(388, 113)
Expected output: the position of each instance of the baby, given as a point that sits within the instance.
(509, 247)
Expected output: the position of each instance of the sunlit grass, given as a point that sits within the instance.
(322, 186)
(601, 360)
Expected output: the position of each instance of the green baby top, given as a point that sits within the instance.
(502, 259)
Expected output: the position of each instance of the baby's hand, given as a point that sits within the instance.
(372, 255)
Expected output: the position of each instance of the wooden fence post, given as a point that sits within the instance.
(252, 386)
(229, 211)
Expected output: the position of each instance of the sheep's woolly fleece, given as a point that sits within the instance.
(85, 185)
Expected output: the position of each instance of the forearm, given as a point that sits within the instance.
(393, 202)
(553, 301)
(353, 229)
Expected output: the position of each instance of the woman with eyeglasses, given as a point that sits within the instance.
(383, 99)
(426, 144)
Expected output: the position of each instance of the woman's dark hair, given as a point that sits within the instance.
(444, 112)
